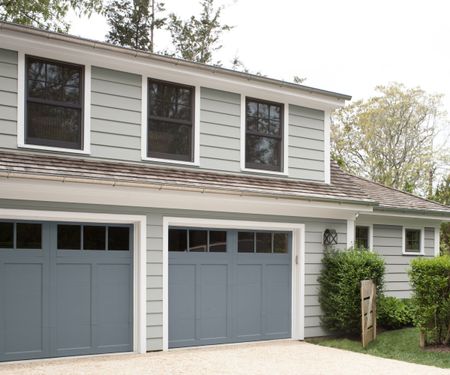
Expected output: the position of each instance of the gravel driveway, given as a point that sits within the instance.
(277, 357)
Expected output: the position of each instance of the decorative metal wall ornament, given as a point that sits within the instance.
(330, 237)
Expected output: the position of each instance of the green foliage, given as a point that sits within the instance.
(340, 291)
(394, 313)
(197, 38)
(430, 279)
(389, 137)
(400, 344)
(45, 14)
(442, 195)
(132, 23)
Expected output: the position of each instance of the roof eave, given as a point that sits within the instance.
(415, 211)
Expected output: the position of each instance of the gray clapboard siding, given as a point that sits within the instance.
(387, 241)
(219, 130)
(314, 252)
(8, 99)
(115, 115)
(306, 143)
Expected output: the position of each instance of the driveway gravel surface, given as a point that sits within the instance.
(265, 358)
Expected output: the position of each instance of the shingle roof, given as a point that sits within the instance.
(344, 187)
(341, 188)
(393, 199)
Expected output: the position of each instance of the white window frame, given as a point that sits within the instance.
(144, 126)
(297, 274)
(285, 139)
(370, 226)
(422, 240)
(21, 94)
(139, 223)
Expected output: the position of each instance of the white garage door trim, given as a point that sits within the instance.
(139, 223)
(298, 263)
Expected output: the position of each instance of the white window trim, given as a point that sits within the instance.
(285, 140)
(139, 257)
(144, 130)
(437, 241)
(370, 226)
(298, 264)
(21, 89)
(422, 240)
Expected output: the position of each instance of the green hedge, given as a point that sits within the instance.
(395, 313)
(340, 291)
(430, 279)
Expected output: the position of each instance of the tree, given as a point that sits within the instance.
(389, 137)
(46, 14)
(197, 38)
(133, 23)
(442, 195)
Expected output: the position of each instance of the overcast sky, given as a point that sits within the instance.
(348, 46)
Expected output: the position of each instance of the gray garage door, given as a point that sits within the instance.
(228, 286)
(65, 289)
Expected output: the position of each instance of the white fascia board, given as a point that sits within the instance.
(399, 218)
(88, 55)
(72, 192)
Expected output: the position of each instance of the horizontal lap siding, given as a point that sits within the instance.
(387, 241)
(314, 250)
(8, 99)
(115, 115)
(306, 143)
(219, 130)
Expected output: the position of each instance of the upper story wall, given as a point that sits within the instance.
(116, 118)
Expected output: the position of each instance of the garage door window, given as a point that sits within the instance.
(20, 235)
(262, 242)
(199, 240)
(93, 237)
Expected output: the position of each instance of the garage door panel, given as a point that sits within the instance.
(73, 308)
(112, 306)
(182, 292)
(278, 302)
(23, 312)
(213, 302)
(248, 302)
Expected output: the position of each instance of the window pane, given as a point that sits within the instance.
(246, 242)
(263, 151)
(275, 112)
(263, 111)
(280, 243)
(53, 126)
(217, 241)
(119, 238)
(252, 108)
(170, 139)
(177, 240)
(412, 238)
(362, 237)
(170, 101)
(6, 235)
(198, 240)
(69, 237)
(94, 237)
(28, 236)
(36, 70)
(263, 242)
(36, 89)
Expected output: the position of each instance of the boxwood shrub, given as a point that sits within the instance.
(340, 287)
(430, 279)
(395, 313)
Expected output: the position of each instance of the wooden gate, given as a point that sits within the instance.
(368, 312)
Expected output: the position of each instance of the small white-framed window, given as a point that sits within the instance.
(53, 104)
(170, 131)
(413, 241)
(264, 136)
(364, 236)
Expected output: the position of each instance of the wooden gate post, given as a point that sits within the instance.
(368, 312)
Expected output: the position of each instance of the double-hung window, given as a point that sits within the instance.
(264, 135)
(413, 241)
(54, 104)
(362, 234)
(170, 132)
